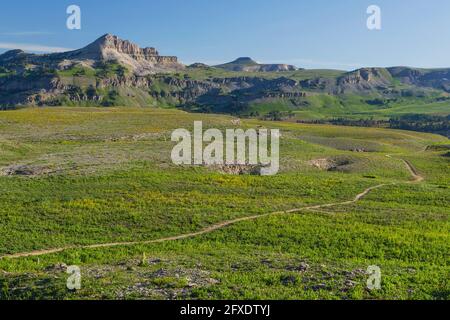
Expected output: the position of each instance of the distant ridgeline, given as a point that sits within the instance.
(115, 72)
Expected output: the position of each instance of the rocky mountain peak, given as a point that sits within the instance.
(112, 42)
(140, 60)
(108, 43)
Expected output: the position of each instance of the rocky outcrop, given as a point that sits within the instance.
(431, 78)
(215, 93)
(359, 81)
(246, 64)
(406, 75)
(141, 61)
(366, 79)
(276, 67)
(319, 84)
(108, 48)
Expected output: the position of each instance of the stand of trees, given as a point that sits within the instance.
(422, 123)
(414, 122)
(350, 122)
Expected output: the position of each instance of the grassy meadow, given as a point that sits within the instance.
(78, 177)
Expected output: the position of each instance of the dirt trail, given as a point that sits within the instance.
(416, 176)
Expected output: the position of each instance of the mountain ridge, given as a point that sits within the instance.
(115, 72)
(111, 48)
(247, 64)
(107, 48)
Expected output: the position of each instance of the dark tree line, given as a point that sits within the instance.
(350, 122)
(414, 122)
(422, 123)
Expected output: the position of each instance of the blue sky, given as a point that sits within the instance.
(311, 34)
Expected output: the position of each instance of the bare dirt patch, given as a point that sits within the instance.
(140, 137)
(332, 164)
(238, 169)
(26, 170)
(167, 284)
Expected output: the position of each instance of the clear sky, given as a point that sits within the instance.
(307, 33)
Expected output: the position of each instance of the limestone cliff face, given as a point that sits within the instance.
(176, 90)
(365, 79)
(141, 61)
(358, 81)
(37, 78)
(108, 43)
(432, 78)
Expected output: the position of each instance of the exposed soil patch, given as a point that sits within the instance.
(332, 164)
(139, 137)
(359, 150)
(167, 284)
(193, 277)
(238, 169)
(25, 170)
(323, 164)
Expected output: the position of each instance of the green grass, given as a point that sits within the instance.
(77, 71)
(109, 69)
(356, 107)
(113, 181)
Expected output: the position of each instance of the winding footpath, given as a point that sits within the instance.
(414, 173)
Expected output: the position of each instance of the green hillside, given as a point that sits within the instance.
(93, 187)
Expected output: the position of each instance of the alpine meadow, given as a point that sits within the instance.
(126, 174)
